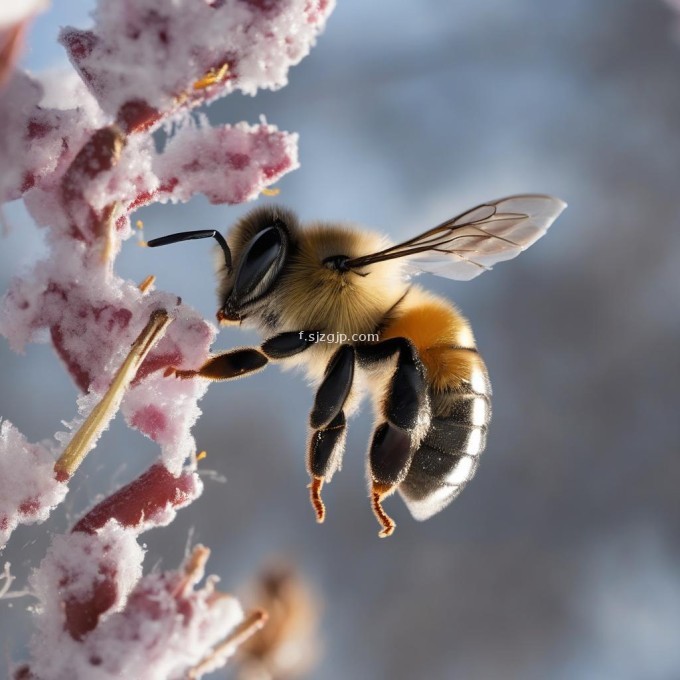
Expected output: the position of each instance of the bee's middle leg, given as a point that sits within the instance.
(328, 423)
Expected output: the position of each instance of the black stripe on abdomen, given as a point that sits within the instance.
(449, 454)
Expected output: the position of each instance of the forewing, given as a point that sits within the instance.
(471, 243)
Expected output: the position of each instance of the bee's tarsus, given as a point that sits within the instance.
(378, 492)
(315, 496)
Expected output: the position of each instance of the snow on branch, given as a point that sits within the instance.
(101, 618)
(146, 59)
(83, 163)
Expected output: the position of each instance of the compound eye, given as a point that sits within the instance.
(259, 265)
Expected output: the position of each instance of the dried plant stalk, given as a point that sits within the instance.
(103, 412)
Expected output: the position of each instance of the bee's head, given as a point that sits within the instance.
(269, 270)
(260, 245)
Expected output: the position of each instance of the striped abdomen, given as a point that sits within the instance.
(449, 453)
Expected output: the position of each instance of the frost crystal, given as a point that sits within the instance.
(82, 160)
(193, 52)
(28, 488)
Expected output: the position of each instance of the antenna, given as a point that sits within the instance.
(190, 235)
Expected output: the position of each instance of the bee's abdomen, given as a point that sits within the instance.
(449, 453)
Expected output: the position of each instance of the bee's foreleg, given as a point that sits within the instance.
(405, 411)
(238, 362)
(328, 423)
(226, 366)
(289, 344)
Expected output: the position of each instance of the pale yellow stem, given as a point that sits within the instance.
(85, 438)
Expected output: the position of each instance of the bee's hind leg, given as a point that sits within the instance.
(328, 423)
(405, 409)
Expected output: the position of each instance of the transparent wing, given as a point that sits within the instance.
(471, 243)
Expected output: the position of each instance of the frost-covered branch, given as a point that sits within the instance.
(82, 170)
(101, 618)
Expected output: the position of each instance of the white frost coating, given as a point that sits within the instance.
(135, 644)
(28, 489)
(81, 177)
(14, 11)
(157, 628)
(24, 95)
(37, 142)
(230, 164)
(62, 88)
(131, 176)
(93, 325)
(180, 41)
(165, 410)
(90, 315)
(77, 562)
(74, 567)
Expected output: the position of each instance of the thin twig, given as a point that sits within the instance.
(246, 629)
(84, 439)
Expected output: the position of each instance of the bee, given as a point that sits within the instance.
(412, 351)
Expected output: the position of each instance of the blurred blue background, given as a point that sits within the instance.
(561, 559)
